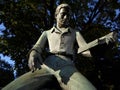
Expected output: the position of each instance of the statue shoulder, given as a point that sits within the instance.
(74, 29)
(48, 31)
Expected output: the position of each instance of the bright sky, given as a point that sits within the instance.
(2, 27)
(6, 58)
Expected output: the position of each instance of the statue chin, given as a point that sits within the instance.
(63, 25)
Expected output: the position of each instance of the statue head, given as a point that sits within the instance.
(62, 15)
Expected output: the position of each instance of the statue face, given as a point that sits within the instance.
(62, 18)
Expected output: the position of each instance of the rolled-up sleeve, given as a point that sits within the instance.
(40, 44)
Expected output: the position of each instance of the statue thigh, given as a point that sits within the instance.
(33, 81)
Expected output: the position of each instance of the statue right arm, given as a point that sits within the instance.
(40, 44)
(35, 60)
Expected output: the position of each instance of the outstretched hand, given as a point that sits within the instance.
(112, 37)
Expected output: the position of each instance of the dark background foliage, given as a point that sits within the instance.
(6, 73)
(25, 20)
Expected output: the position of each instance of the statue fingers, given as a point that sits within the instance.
(115, 36)
(37, 63)
(31, 65)
(110, 40)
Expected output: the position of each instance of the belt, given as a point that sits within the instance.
(63, 54)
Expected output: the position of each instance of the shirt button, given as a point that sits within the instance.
(62, 36)
(61, 43)
(61, 47)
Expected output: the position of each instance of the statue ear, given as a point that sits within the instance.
(55, 16)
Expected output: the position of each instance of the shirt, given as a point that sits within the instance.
(60, 41)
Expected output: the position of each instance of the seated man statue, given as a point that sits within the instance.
(61, 40)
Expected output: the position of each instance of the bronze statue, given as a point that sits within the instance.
(61, 39)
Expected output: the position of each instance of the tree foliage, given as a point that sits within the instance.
(25, 20)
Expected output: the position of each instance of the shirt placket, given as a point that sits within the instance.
(62, 41)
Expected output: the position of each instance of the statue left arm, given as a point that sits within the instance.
(82, 44)
(84, 47)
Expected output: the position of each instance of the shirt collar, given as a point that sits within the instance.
(54, 29)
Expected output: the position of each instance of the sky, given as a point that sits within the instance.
(6, 58)
(2, 27)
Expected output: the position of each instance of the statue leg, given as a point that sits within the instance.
(79, 82)
(71, 79)
(33, 81)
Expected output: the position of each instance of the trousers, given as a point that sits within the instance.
(64, 70)
(67, 74)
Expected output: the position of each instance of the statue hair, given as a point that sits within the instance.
(62, 6)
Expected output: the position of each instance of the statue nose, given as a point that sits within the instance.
(65, 17)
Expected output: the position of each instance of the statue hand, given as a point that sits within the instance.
(112, 37)
(109, 38)
(35, 61)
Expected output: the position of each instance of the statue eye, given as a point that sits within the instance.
(62, 14)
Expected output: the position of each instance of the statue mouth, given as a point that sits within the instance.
(64, 21)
